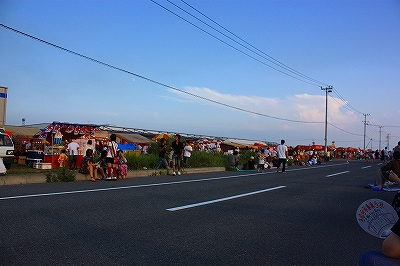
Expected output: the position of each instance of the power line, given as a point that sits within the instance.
(256, 50)
(153, 81)
(354, 134)
(233, 47)
(168, 86)
(346, 102)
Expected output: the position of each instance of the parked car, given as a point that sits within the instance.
(6, 150)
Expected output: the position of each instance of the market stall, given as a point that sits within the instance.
(57, 136)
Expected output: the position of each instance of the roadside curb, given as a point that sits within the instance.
(41, 178)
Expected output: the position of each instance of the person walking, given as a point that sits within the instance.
(62, 159)
(282, 152)
(177, 147)
(187, 153)
(73, 153)
(162, 149)
(261, 161)
(385, 155)
(112, 148)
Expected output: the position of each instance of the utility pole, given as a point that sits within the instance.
(327, 89)
(380, 137)
(365, 127)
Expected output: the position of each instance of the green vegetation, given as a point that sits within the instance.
(23, 169)
(62, 174)
(198, 159)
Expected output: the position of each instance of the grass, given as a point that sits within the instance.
(139, 162)
(23, 169)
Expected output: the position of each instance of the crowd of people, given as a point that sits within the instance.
(179, 153)
(275, 157)
(111, 165)
(266, 158)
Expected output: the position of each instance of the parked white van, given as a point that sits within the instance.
(6, 149)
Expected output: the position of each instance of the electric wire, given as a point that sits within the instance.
(255, 51)
(354, 134)
(168, 86)
(154, 81)
(277, 61)
(345, 104)
(233, 47)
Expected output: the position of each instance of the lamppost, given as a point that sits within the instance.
(327, 89)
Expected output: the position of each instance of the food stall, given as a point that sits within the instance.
(58, 135)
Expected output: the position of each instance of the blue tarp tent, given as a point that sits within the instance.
(127, 147)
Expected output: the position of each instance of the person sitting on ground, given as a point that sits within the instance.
(312, 161)
(390, 255)
(122, 167)
(233, 159)
(296, 160)
(87, 166)
(102, 164)
(389, 172)
(250, 165)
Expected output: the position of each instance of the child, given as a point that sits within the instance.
(87, 166)
(261, 161)
(62, 159)
(102, 164)
(121, 165)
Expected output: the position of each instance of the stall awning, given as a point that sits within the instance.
(23, 131)
(68, 130)
(132, 138)
(240, 143)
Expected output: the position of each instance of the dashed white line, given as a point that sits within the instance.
(222, 199)
(366, 167)
(338, 173)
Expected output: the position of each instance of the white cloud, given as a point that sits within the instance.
(300, 107)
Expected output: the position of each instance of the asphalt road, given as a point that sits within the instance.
(303, 217)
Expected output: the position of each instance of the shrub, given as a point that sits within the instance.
(207, 159)
(62, 174)
(140, 161)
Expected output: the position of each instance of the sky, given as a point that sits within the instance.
(245, 69)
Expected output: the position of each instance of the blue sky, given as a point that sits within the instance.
(351, 45)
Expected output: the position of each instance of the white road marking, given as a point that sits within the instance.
(222, 199)
(158, 184)
(127, 187)
(337, 173)
(366, 167)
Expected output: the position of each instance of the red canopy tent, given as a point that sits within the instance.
(68, 131)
